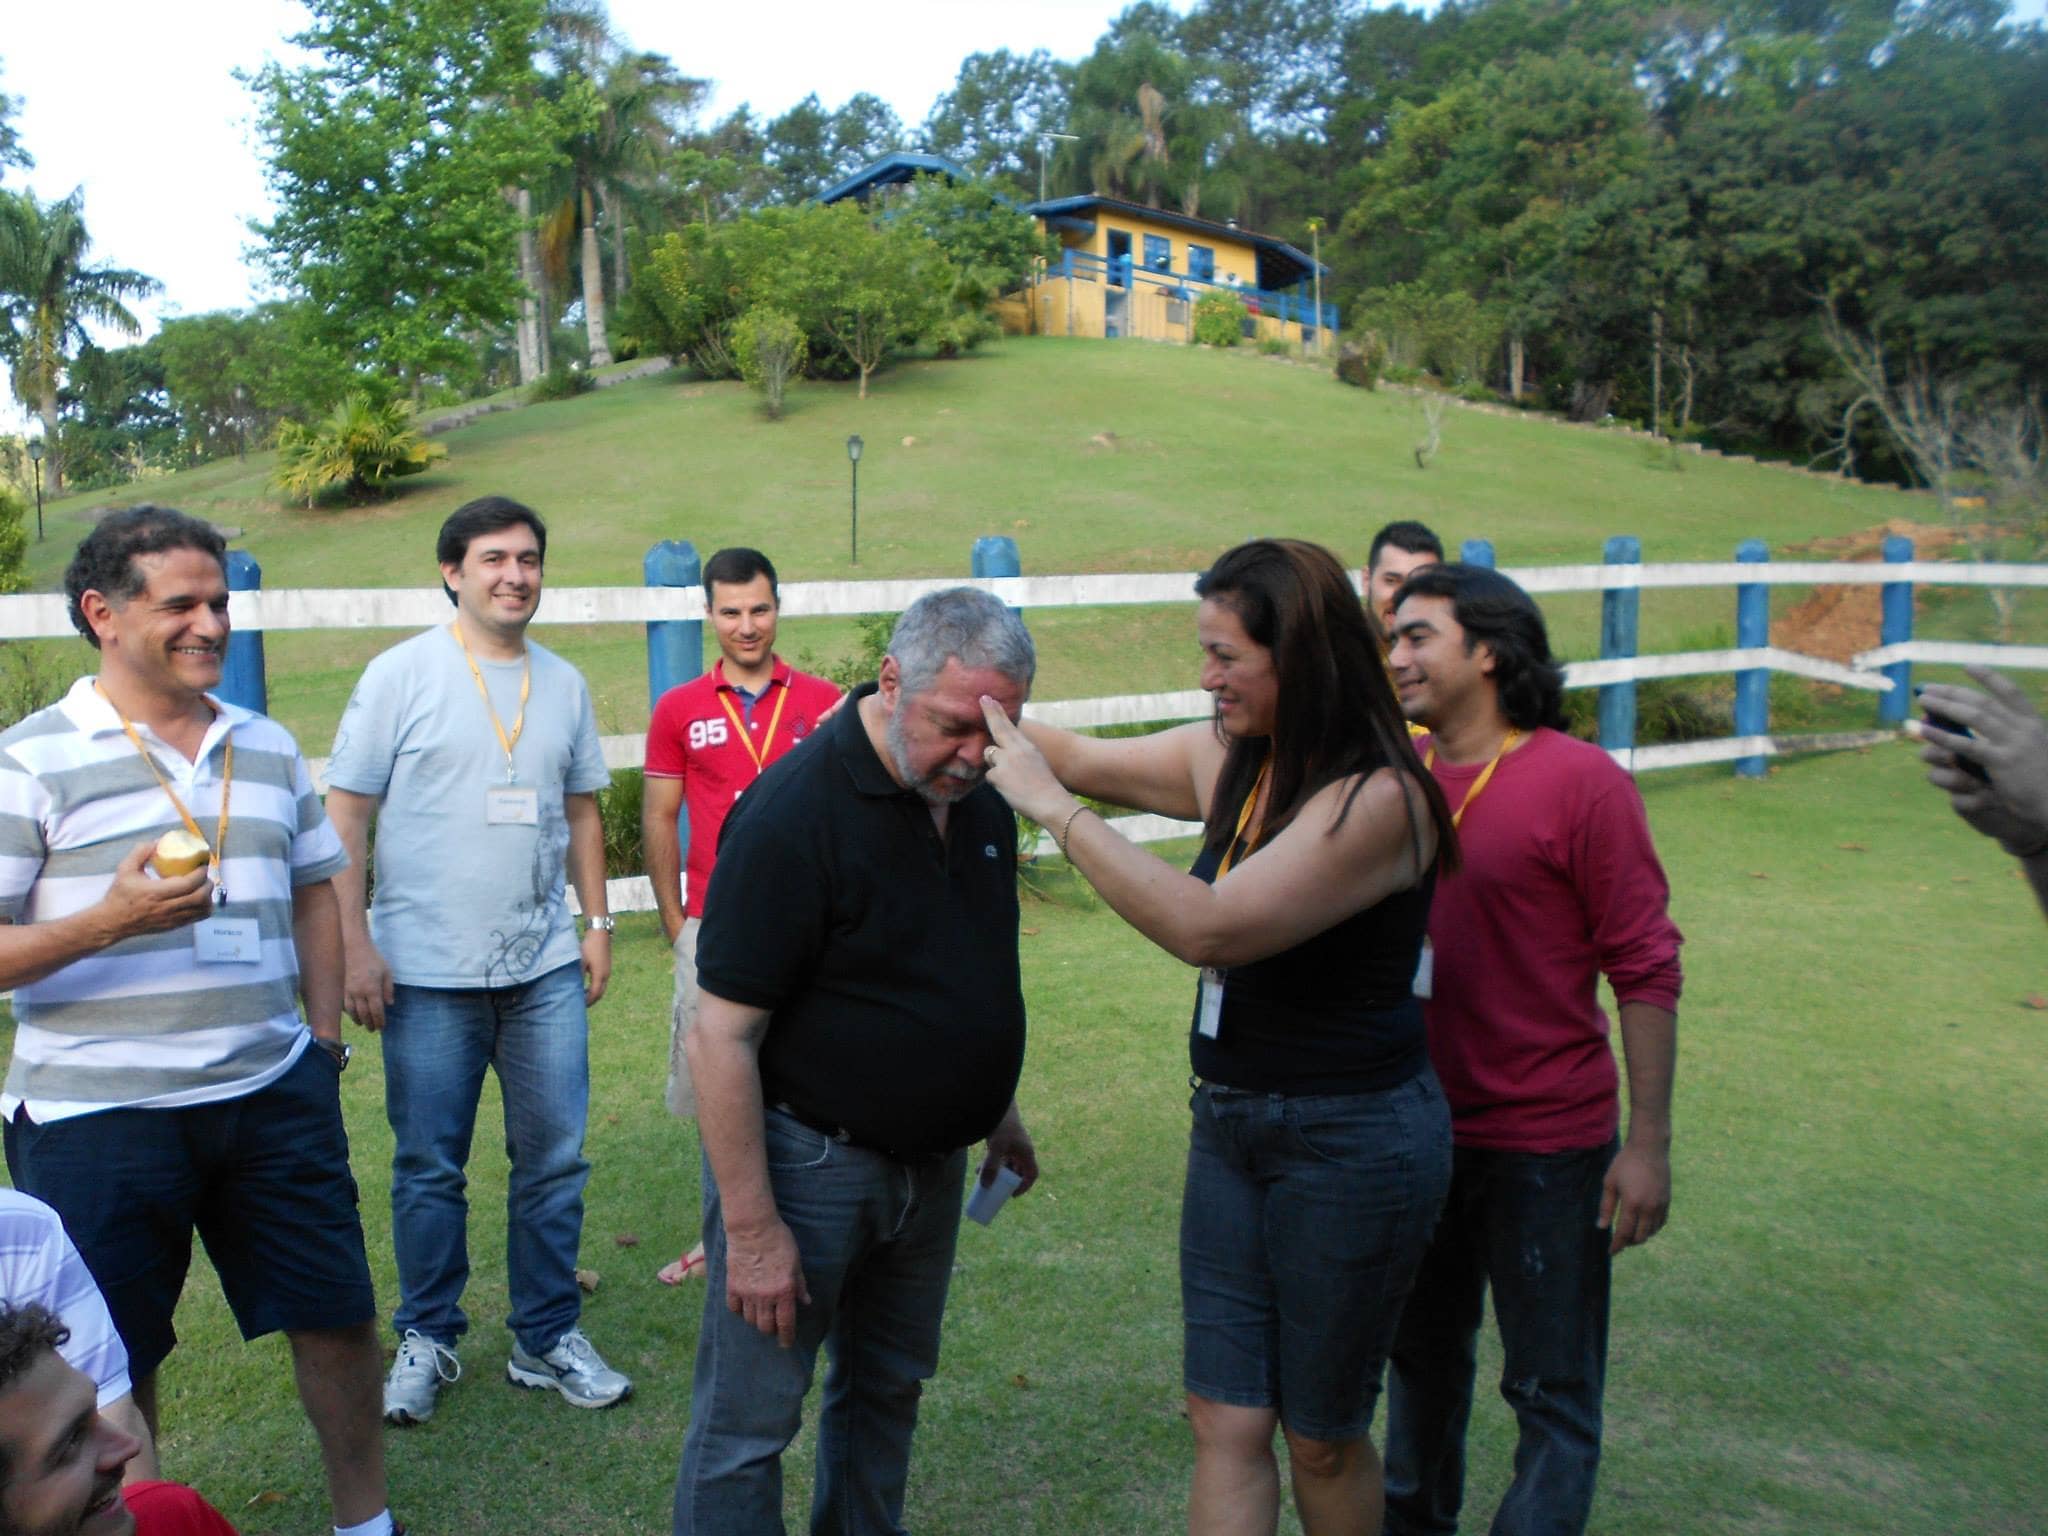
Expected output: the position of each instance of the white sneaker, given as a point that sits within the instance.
(417, 1372)
(573, 1368)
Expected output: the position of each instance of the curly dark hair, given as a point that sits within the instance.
(106, 559)
(1336, 716)
(1494, 611)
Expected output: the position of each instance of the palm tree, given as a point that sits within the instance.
(48, 295)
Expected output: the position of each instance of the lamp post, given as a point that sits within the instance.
(1045, 137)
(853, 447)
(1315, 235)
(35, 453)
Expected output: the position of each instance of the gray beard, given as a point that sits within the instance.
(943, 786)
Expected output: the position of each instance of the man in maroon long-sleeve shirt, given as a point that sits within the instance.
(1559, 885)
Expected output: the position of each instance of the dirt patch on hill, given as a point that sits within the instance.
(1838, 622)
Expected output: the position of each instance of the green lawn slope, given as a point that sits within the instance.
(1093, 456)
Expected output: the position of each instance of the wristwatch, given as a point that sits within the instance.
(337, 1050)
(603, 923)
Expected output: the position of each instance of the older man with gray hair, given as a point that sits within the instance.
(861, 1025)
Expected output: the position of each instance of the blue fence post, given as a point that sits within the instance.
(675, 647)
(241, 669)
(997, 556)
(1898, 629)
(1477, 552)
(1752, 629)
(1619, 609)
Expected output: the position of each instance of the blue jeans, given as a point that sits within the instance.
(1525, 1224)
(437, 1043)
(876, 1238)
(1302, 1222)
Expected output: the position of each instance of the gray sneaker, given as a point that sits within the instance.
(573, 1368)
(417, 1372)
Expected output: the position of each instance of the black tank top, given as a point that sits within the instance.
(1335, 1014)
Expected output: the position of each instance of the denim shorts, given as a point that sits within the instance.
(1304, 1219)
(264, 1178)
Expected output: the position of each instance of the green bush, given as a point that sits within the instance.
(871, 643)
(357, 450)
(1361, 359)
(770, 348)
(1219, 319)
(563, 381)
(1276, 346)
(619, 804)
(13, 538)
(1668, 709)
(29, 679)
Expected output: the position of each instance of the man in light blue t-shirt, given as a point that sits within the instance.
(476, 753)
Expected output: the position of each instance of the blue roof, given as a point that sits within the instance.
(893, 170)
(1065, 212)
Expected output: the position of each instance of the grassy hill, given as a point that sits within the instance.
(1094, 457)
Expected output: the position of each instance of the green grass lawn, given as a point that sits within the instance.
(1838, 1333)
(1205, 448)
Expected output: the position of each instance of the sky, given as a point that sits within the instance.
(147, 115)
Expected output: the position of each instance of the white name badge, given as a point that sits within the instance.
(507, 805)
(1425, 971)
(227, 941)
(1209, 1019)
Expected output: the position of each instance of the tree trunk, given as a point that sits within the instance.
(53, 451)
(530, 365)
(1657, 372)
(593, 288)
(615, 221)
(1518, 362)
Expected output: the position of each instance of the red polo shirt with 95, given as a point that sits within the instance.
(695, 736)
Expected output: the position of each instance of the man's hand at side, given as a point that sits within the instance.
(365, 981)
(1009, 1145)
(764, 1277)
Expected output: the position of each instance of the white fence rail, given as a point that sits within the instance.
(43, 616)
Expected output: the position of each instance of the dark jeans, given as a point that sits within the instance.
(876, 1237)
(1524, 1224)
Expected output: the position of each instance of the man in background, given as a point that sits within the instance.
(476, 751)
(1559, 884)
(710, 738)
(1398, 551)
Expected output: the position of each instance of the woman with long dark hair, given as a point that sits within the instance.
(1320, 1149)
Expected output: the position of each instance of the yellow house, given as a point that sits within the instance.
(1129, 270)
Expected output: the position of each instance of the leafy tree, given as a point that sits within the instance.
(117, 414)
(232, 376)
(991, 119)
(357, 450)
(769, 347)
(11, 151)
(807, 148)
(48, 294)
(388, 159)
(991, 244)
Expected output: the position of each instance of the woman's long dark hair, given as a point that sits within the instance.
(1335, 716)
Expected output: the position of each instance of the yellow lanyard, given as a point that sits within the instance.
(758, 754)
(525, 690)
(1243, 817)
(227, 784)
(1506, 744)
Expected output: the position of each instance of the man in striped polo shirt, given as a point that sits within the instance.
(162, 1080)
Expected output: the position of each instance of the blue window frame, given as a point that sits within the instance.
(1158, 253)
(1202, 263)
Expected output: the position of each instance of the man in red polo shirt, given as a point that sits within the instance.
(709, 739)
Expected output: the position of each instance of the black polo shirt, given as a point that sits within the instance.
(887, 956)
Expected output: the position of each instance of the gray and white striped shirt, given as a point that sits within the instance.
(142, 1023)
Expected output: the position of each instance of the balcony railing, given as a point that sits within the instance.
(1296, 305)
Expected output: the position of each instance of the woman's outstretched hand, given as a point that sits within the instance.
(1019, 771)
